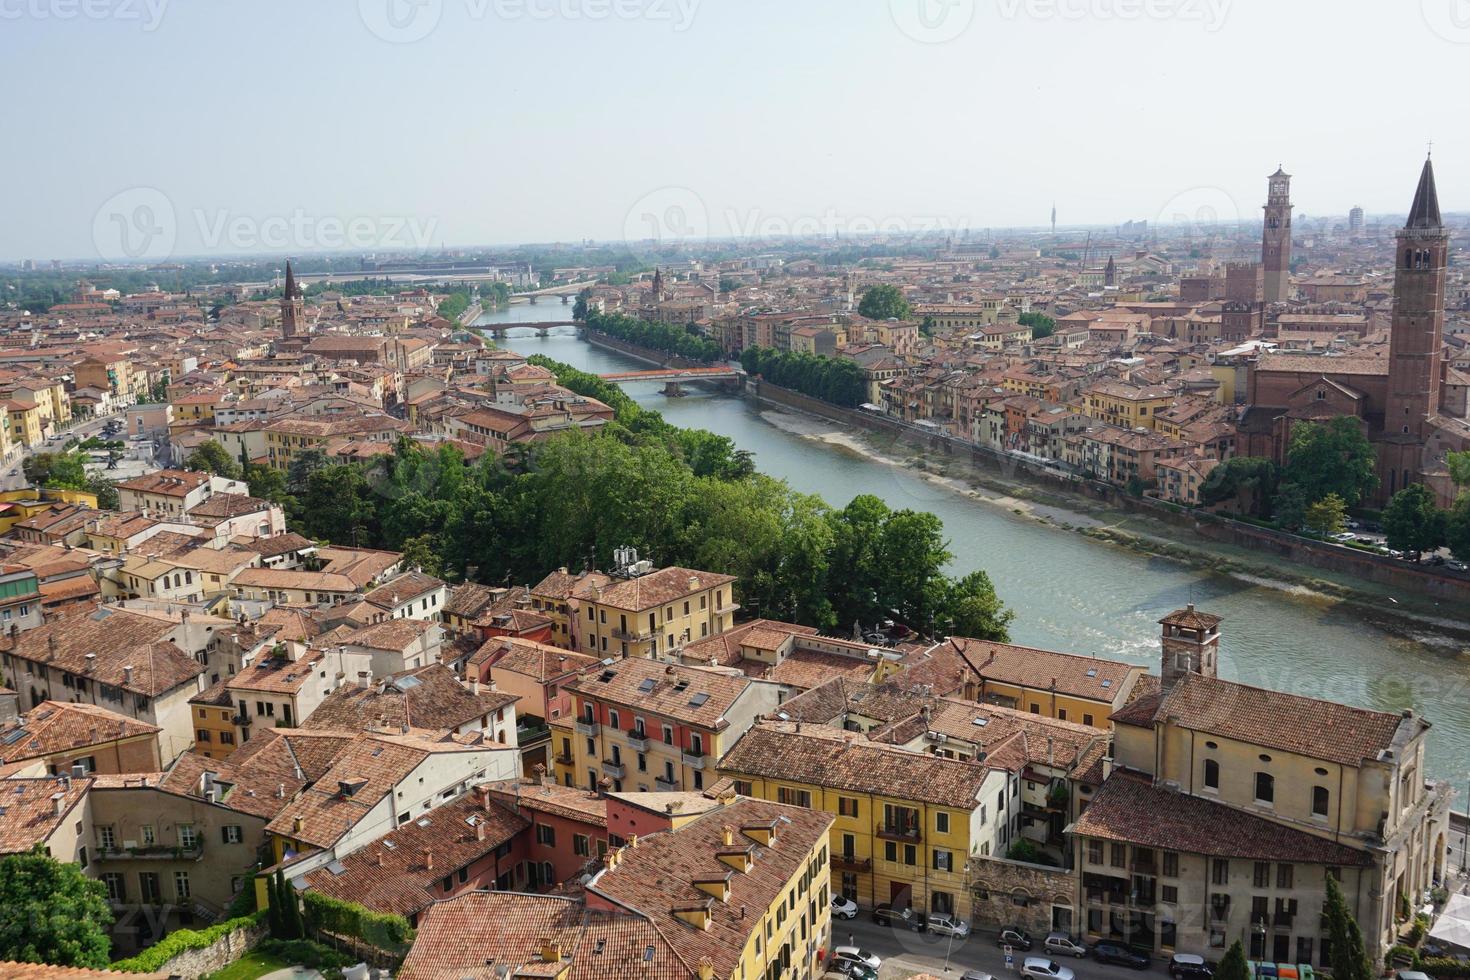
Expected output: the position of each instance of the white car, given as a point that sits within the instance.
(857, 955)
(947, 925)
(844, 907)
(1038, 968)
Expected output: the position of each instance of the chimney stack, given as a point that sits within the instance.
(428, 859)
(128, 674)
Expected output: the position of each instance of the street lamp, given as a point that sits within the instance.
(949, 946)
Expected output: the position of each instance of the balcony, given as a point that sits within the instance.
(564, 759)
(527, 735)
(662, 785)
(694, 761)
(900, 832)
(613, 770)
(586, 727)
(851, 862)
(243, 720)
(638, 741)
(728, 607)
(631, 636)
(156, 852)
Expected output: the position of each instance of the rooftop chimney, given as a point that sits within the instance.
(128, 674)
(428, 856)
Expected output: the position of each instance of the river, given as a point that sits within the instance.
(1075, 594)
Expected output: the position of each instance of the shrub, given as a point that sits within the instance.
(306, 953)
(327, 914)
(1444, 968)
(151, 960)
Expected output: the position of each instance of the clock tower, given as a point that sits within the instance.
(1276, 237)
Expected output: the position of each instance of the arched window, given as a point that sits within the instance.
(1212, 774)
(1265, 788)
(1320, 799)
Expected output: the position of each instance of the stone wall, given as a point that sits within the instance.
(194, 963)
(1010, 893)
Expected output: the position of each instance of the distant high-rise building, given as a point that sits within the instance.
(1355, 221)
(293, 308)
(1276, 237)
(1054, 217)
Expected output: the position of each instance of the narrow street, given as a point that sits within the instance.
(906, 953)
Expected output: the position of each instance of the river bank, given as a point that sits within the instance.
(1137, 533)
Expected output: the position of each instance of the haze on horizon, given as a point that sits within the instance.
(391, 125)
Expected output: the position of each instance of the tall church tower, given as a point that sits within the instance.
(293, 308)
(1276, 236)
(1416, 339)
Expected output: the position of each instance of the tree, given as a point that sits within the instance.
(1041, 325)
(266, 483)
(211, 457)
(1249, 482)
(1331, 457)
(1290, 507)
(971, 608)
(1326, 516)
(884, 303)
(1349, 958)
(52, 913)
(303, 465)
(1234, 966)
(1457, 528)
(37, 468)
(1459, 466)
(1412, 522)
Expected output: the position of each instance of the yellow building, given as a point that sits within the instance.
(905, 823)
(215, 732)
(1127, 405)
(1063, 686)
(26, 425)
(637, 613)
(654, 727)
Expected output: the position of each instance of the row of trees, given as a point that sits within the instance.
(832, 379)
(684, 342)
(681, 497)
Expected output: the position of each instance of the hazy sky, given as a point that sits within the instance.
(177, 127)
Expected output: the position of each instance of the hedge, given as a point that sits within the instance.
(152, 959)
(1443, 967)
(327, 914)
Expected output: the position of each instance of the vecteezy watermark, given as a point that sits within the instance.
(1200, 212)
(756, 227)
(406, 21)
(1449, 19)
(137, 224)
(669, 217)
(1210, 13)
(300, 230)
(141, 224)
(147, 13)
(932, 21)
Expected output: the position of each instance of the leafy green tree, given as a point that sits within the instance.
(211, 457)
(266, 483)
(339, 506)
(1412, 522)
(1349, 958)
(303, 465)
(52, 913)
(158, 391)
(884, 302)
(971, 608)
(1331, 457)
(1249, 482)
(106, 492)
(579, 308)
(1459, 466)
(1290, 508)
(1234, 966)
(1326, 516)
(37, 468)
(1041, 325)
(1457, 528)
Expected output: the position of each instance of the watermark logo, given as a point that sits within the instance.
(932, 21)
(400, 21)
(148, 14)
(1200, 213)
(669, 217)
(301, 231)
(1212, 14)
(407, 21)
(135, 225)
(1448, 19)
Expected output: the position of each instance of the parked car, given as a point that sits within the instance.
(1014, 937)
(1038, 968)
(947, 925)
(1187, 966)
(975, 975)
(852, 970)
(1064, 945)
(843, 907)
(856, 954)
(906, 918)
(1119, 954)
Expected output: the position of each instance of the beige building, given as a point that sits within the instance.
(1229, 806)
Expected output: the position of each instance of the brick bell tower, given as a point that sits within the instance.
(1191, 644)
(1276, 237)
(293, 308)
(1416, 338)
